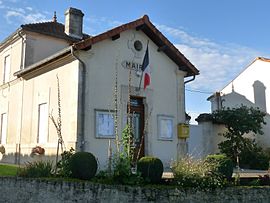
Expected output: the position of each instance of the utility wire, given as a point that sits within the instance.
(198, 91)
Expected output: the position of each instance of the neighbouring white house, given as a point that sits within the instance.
(99, 76)
(250, 88)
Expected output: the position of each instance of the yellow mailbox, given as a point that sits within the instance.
(183, 131)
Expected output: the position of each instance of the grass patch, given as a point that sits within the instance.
(8, 170)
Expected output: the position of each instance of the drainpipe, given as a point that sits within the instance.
(22, 50)
(193, 78)
(182, 145)
(185, 82)
(18, 154)
(81, 99)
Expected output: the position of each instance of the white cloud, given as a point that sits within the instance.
(29, 8)
(185, 37)
(18, 15)
(95, 25)
(218, 63)
(24, 16)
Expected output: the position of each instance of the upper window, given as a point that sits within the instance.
(43, 116)
(6, 69)
(3, 136)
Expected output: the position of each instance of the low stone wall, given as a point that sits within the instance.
(32, 190)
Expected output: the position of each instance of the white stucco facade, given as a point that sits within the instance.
(165, 95)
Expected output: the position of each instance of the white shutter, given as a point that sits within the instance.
(3, 128)
(42, 123)
(6, 68)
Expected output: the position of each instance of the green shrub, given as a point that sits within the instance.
(119, 172)
(63, 165)
(254, 158)
(224, 164)
(83, 165)
(197, 173)
(36, 169)
(121, 169)
(264, 180)
(151, 168)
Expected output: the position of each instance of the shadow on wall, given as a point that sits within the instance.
(10, 157)
(259, 95)
(235, 99)
(15, 154)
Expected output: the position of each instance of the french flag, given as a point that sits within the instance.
(146, 69)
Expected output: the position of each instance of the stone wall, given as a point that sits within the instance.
(33, 190)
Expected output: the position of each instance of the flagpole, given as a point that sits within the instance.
(138, 88)
(142, 72)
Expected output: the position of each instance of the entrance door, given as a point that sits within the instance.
(137, 125)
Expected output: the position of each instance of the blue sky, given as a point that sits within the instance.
(219, 37)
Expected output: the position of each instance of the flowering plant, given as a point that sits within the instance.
(38, 151)
(190, 172)
(2, 149)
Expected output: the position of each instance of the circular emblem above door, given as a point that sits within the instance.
(135, 43)
(138, 45)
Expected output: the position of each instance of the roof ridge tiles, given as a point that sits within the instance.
(41, 23)
(51, 28)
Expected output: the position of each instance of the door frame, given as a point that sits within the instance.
(139, 109)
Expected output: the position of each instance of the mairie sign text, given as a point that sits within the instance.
(132, 65)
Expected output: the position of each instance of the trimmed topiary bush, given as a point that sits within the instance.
(83, 165)
(224, 164)
(151, 168)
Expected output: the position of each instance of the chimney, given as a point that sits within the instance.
(54, 17)
(74, 22)
(259, 95)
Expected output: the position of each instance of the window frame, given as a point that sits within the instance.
(97, 127)
(160, 120)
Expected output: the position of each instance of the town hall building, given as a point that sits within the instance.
(95, 82)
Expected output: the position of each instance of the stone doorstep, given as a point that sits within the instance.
(167, 175)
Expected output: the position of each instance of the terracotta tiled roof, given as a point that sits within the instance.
(53, 29)
(263, 59)
(153, 33)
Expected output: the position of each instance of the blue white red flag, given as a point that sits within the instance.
(146, 69)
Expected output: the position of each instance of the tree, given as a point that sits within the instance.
(239, 121)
